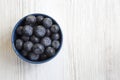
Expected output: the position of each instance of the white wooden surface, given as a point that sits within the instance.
(91, 46)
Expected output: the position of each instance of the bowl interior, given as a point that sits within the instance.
(21, 22)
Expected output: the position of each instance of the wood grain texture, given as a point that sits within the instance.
(91, 45)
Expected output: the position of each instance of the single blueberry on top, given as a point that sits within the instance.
(19, 30)
(19, 44)
(25, 38)
(46, 41)
(33, 57)
(30, 19)
(50, 51)
(28, 46)
(34, 39)
(56, 44)
(38, 48)
(54, 28)
(55, 36)
(39, 31)
(39, 19)
(47, 22)
(27, 30)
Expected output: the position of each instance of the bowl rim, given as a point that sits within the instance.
(18, 53)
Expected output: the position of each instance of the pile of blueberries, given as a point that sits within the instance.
(38, 38)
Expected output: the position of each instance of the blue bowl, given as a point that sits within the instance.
(21, 22)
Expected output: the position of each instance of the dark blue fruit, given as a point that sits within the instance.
(19, 30)
(39, 19)
(55, 36)
(47, 22)
(28, 46)
(33, 57)
(38, 48)
(48, 32)
(40, 31)
(19, 44)
(46, 41)
(24, 53)
(30, 19)
(34, 39)
(54, 28)
(55, 44)
(25, 38)
(43, 56)
(50, 51)
(27, 30)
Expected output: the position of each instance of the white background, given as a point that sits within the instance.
(91, 45)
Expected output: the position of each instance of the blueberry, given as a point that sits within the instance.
(54, 28)
(19, 30)
(56, 44)
(50, 51)
(25, 38)
(43, 56)
(27, 30)
(30, 19)
(55, 36)
(19, 44)
(33, 57)
(28, 46)
(24, 53)
(38, 48)
(34, 39)
(39, 19)
(47, 22)
(48, 32)
(46, 41)
(40, 31)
